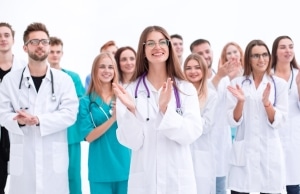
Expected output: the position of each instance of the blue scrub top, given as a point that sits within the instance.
(108, 160)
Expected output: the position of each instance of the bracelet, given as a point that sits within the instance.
(267, 105)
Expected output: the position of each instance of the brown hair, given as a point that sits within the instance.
(172, 63)
(223, 53)
(33, 27)
(3, 24)
(118, 56)
(275, 45)
(56, 41)
(107, 44)
(248, 53)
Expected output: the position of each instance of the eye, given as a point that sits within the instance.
(150, 43)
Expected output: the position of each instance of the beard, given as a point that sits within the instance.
(36, 57)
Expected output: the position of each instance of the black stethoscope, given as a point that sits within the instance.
(53, 97)
(106, 115)
(275, 90)
(176, 93)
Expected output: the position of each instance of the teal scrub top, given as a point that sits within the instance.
(73, 131)
(108, 160)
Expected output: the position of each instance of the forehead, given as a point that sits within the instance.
(201, 48)
(104, 61)
(127, 52)
(259, 49)
(37, 35)
(56, 47)
(231, 47)
(4, 29)
(110, 48)
(192, 62)
(155, 35)
(176, 40)
(285, 41)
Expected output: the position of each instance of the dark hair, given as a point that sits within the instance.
(3, 24)
(198, 42)
(118, 56)
(56, 41)
(294, 63)
(248, 53)
(176, 36)
(172, 63)
(33, 27)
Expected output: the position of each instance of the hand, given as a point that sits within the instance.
(124, 97)
(235, 69)
(25, 118)
(165, 95)
(266, 94)
(223, 68)
(237, 92)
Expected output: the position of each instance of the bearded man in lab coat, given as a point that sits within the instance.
(37, 105)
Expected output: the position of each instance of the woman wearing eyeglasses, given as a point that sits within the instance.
(108, 160)
(285, 66)
(257, 106)
(158, 118)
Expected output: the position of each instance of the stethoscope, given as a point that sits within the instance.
(275, 90)
(53, 97)
(90, 111)
(176, 93)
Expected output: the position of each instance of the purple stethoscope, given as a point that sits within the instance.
(176, 93)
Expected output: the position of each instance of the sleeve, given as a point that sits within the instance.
(185, 128)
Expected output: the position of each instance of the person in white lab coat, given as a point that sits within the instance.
(196, 70)
(163, 120)
(37, 104)
(285, 66)
(257, 106)
(8, 62)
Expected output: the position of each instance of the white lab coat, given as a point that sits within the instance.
(203, 148)
(161, 161)
(221, 133)
(38, 154)
(256, 160)
(290, 134)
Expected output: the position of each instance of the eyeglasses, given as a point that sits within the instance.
(36, 42)
(257, 56)
(161, 43)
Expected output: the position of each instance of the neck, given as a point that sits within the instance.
(157, 77)
(37, 68)
(283, 70)
(127, 77)
(55, 66)
(106, 92)
(6, 60)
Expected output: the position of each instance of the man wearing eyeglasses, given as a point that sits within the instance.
(37, 105)
(8, 62)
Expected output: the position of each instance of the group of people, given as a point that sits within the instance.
(155, 122)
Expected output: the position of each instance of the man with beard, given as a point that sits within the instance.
(8, 62)
(37, 105)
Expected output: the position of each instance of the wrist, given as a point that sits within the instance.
(267, 105)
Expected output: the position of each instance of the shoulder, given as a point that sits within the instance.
(70, 73)
(186, 87)
(18, 63)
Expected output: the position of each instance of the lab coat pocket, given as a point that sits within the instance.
(204, 164)
(16, 159)
(237, 154)
(60, 157)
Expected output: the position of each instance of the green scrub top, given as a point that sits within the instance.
(108, 160)
(73, 132)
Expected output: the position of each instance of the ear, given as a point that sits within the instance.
(25, 48)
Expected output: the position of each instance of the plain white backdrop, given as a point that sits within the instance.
(84, 25)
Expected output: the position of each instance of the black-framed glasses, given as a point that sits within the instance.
(161, 43)
(36, 42)
(257, 56)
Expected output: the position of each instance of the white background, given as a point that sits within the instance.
(84, 25)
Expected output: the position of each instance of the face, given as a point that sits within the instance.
(111, 49)
(156, 48)
(40, 51)
(193, 71)
(55, 55)
(127, 62)
(178, 46)
(232, 53)
(285, 51)
(6, 39)
(205, 51)
(259, 59)
(106, 71)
